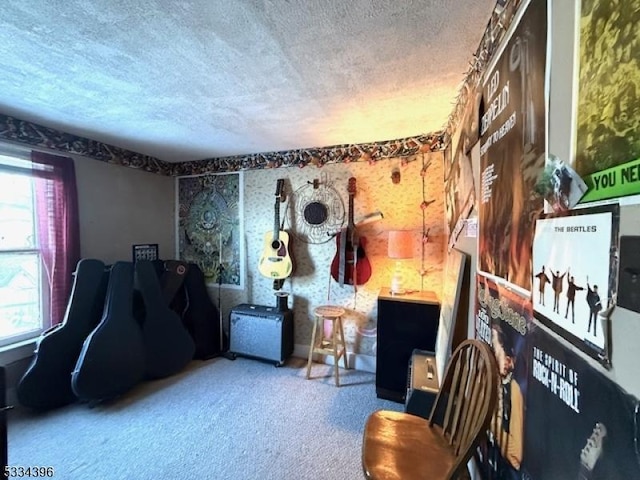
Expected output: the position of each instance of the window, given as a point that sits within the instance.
(22, 309)
(38, 241)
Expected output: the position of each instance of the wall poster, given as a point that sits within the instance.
(512, 148)
(459, 191)
(502, 319)
(209, 226)
(575, 275)
(579, 422)
(607, 153)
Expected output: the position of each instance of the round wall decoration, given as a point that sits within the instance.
(319, 212)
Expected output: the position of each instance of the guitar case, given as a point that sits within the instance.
(47, 382)
(201, 317)
(168, 347)
(112, 359)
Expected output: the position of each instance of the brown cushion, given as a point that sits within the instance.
(401, 446)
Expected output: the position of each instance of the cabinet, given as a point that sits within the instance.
(405, 322)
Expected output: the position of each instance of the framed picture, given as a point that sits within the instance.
(145, 251)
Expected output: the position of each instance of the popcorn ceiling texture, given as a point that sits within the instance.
(192, 80)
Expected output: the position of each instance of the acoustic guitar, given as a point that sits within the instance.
(275, 261)
(350, 264)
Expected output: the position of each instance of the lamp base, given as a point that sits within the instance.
(399, 291)
(396, 284)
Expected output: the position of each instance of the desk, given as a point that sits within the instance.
(405, 322)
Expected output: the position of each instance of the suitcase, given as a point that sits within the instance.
(261, 332)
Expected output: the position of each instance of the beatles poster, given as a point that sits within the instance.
(579, 424)
(512, 148)
(503, 319)
(608, 101)
(209, 227)
(574, 261)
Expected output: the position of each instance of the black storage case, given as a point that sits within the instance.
(261, 332)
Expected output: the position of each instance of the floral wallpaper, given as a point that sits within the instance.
(402, 206)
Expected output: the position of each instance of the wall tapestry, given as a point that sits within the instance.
(608, 108)
(209, 226)
(575, 275)
(582, 424)
(503, 319)
(512, 150)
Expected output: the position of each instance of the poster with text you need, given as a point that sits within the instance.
(502, 319)
(512, 149)
(607, 138)
(579, 424)
(575, 265)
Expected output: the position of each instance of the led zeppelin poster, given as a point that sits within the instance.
(512, 149)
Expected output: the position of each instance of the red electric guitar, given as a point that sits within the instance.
(350, 264)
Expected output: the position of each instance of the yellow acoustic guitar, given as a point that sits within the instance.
(275, 261)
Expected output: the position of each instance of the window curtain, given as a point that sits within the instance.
(58, 229)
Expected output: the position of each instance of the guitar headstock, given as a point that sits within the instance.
(351, 188)
(592, 450)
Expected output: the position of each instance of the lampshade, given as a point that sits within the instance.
(400, 244)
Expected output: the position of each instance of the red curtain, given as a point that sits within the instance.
(58, 227)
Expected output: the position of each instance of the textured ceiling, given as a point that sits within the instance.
(194, 79)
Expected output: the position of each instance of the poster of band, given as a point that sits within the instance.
(608, 108)
(582, 424)
(512, 148)
(502, 319)
(209, 227)
(574, 261)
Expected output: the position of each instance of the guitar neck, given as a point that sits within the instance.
(351, 223)
(276, 219)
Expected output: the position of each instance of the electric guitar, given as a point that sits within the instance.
(275, 261)
(350, 264)
(592, 451)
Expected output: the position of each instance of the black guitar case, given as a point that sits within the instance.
(168, 346)
(172, 281)
(112, 361)
(47, 382)
(201, 316)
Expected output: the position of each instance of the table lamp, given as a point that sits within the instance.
(400, 247)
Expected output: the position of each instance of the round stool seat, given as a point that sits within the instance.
(328, 311)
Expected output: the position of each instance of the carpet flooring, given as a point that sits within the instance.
(218, 419)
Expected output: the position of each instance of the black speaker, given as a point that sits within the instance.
(404, 324)
(261, 332)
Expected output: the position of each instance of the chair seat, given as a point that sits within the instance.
(401, 446)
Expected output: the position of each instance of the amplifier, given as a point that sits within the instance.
(261, 332)
(422, 383)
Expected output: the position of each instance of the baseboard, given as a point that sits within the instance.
(356, 361)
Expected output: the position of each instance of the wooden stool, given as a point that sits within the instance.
(335, 345)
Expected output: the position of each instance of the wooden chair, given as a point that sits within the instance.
(401, 446)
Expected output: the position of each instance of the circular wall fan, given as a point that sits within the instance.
(319, 212)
